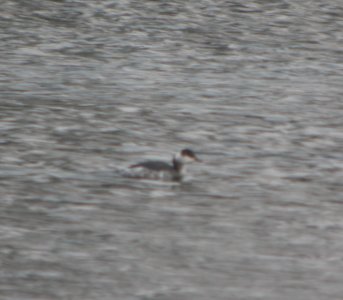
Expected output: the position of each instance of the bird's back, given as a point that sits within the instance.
(154, 165)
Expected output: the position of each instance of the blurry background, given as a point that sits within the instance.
(88, 87)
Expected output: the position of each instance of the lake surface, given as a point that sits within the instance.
(253, 87)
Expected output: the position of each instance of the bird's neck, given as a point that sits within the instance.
(177, 164)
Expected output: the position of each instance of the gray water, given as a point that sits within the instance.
(254, 87)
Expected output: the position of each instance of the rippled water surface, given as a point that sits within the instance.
(254, 87)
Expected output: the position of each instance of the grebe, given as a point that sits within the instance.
(155, 169)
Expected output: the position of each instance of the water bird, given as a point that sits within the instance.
(155, 169)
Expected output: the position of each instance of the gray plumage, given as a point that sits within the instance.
(156, 169)
(154, 165)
